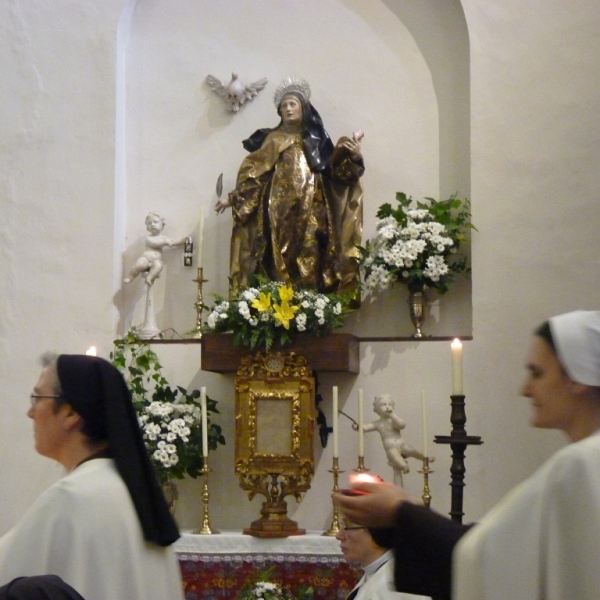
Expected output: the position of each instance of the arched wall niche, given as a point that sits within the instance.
(402, 75)
(386, 67)
(441, 34)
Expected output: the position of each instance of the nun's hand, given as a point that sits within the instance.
(375, 507)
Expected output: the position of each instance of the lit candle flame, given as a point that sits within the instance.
(364, 478)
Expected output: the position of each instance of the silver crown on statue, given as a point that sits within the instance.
(291, 84)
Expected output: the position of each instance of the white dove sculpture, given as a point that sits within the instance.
(235, 93)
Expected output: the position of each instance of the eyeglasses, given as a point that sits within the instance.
(33, 398)
(351, 527)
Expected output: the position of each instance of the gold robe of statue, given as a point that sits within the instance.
(295, 225)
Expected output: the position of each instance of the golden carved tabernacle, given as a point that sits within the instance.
(274, 432)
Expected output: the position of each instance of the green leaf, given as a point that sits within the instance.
(141, 370)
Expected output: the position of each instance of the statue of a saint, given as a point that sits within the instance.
(297, 204)
(150, 263)
(390, 426)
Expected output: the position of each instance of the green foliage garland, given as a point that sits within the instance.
(170, 417)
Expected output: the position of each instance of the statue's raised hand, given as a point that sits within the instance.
(222, 205)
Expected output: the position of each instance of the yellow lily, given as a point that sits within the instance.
(284, 313)
(262, 303)
(286, 293)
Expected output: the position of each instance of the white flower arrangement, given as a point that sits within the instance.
(266, 590)
(165, 428)
(169, 417)
(263, 589)
(417, 246)
(273, 312)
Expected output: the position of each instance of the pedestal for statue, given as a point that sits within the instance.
(149, 328)
(332, 352)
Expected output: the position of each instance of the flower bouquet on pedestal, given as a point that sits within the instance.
(271, 312)
(418, 247)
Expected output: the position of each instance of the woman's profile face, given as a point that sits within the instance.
(549, 389)
(291, 110)
(356, 544)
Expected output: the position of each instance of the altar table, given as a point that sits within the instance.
(218, 566)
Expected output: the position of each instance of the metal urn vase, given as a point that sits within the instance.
(417, 303)
(171, 493)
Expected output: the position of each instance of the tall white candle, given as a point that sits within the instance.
(425, 424)
(457, 373)
(200, 238)
(204, 422)
(335, 422)
(361, 430)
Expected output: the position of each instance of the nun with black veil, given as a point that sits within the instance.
(104, 528)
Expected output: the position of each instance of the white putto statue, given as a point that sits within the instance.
(151, 263)
(390, 426)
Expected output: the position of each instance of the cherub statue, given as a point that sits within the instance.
(390, 426)
(150, 263)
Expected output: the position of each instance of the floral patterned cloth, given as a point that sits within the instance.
(208, 576)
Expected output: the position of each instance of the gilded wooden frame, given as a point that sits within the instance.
(286, 445)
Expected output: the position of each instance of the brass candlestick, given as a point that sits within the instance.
(361, 465)
(199, 304)
(205, 529)
(426, 471)
(335, 522)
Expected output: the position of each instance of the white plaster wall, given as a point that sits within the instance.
(534, 133)
(57, 61)
(535, 188)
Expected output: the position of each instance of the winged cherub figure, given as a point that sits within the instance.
(235, 93)
(390, 426)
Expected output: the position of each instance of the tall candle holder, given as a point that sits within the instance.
(335, 522)
(199, 304)
(458, 440)
(426, 471)
(361, 465)
(205, 529)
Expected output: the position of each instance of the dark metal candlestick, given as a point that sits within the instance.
(458, 440)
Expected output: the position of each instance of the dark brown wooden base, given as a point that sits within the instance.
(332, 352)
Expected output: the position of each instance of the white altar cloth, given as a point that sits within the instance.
(311, 547)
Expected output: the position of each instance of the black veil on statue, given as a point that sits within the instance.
(97, 391)
(316, 142)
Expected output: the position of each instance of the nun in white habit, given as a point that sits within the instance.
(542, 541)
(104, 528)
